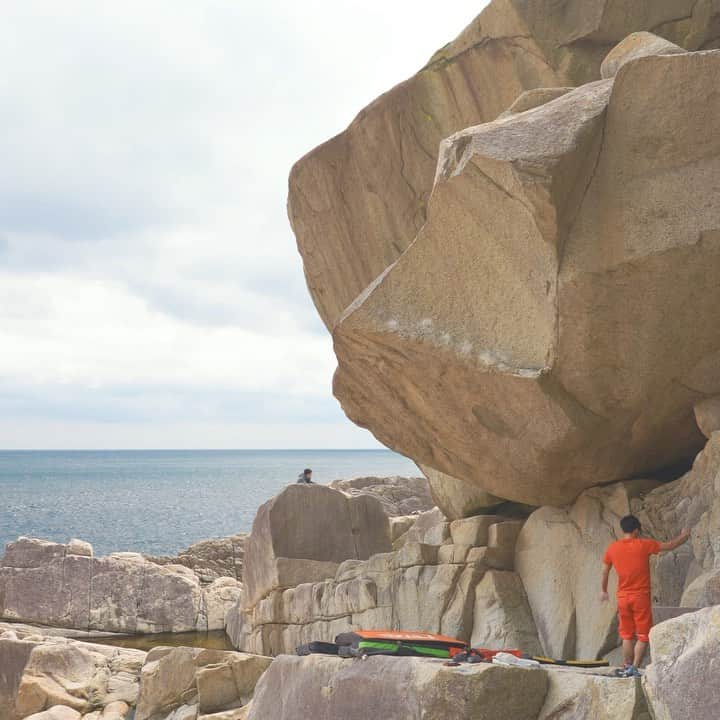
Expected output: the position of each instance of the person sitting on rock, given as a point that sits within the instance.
(630, 556)
(305, 477)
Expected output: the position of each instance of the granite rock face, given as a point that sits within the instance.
(682, 680)
(399, 496)
(357, 202)
(515, 304)
(305, 532)
(554, 223)
(428, 583)
(328, 688)
(210, 559)
(457, 498)
(60, 676)
(50, 584)
(193, 681)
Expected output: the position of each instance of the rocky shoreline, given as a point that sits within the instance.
(516, 252)
(484, 579)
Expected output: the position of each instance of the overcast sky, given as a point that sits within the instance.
(151, 294)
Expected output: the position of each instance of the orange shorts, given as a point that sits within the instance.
(635, 615)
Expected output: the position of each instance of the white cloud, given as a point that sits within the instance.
(143, 239)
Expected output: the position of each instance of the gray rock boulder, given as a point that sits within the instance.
(682, 679)
(305, 532)
(634, 46)
(66, 586)
(210, 559)
(61, 676)
(399, 495)
(707, 415)
(457, 498)
(328, 688)
(188, 681)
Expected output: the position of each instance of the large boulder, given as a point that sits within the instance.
(305, 532)
(682, 680)
(457, 498)
(357, 202)
(66, 586)
(327, 688)
(542, 333)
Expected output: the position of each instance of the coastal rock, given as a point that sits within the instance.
(357, 202)
(399, 496)
(328, 688)
(703, 591)
(457, 498)
(692, 501)
(502, 615)
(429, 583)
(707, 415)
(574, 695)
(66, 586)
(42, 674)
(535, 98)
(186, 681)
(305, 532)
(210, 559)
(634, 46)
(558, 557)
(59, 712)
(550, 388)
(682, 678)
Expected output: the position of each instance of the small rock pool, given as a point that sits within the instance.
(213, 640)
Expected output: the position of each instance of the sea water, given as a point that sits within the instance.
(160, 501)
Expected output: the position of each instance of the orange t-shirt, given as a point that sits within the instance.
(631, 559)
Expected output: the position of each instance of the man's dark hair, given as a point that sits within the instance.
(306, 471)
(630, 524)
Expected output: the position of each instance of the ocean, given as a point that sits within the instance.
(160, 501)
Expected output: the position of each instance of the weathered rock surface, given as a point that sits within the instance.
(328, 688)
(48, 583)
(558, 557)
(39, 674)
(537, 398)
(210, 559)
(682, 680)
(399, 496)
(707, 415)
(184, 682)
(503, 618)
(574, 695)
(559, 554)
(634, 46)
(357, 201)
(485, 307)
(535, 98)
(305, 532)
(428, 583)
(457, 498)
(693, 501)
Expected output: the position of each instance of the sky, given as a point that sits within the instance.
(151, 293)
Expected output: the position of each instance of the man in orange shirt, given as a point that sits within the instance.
(630, 556)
